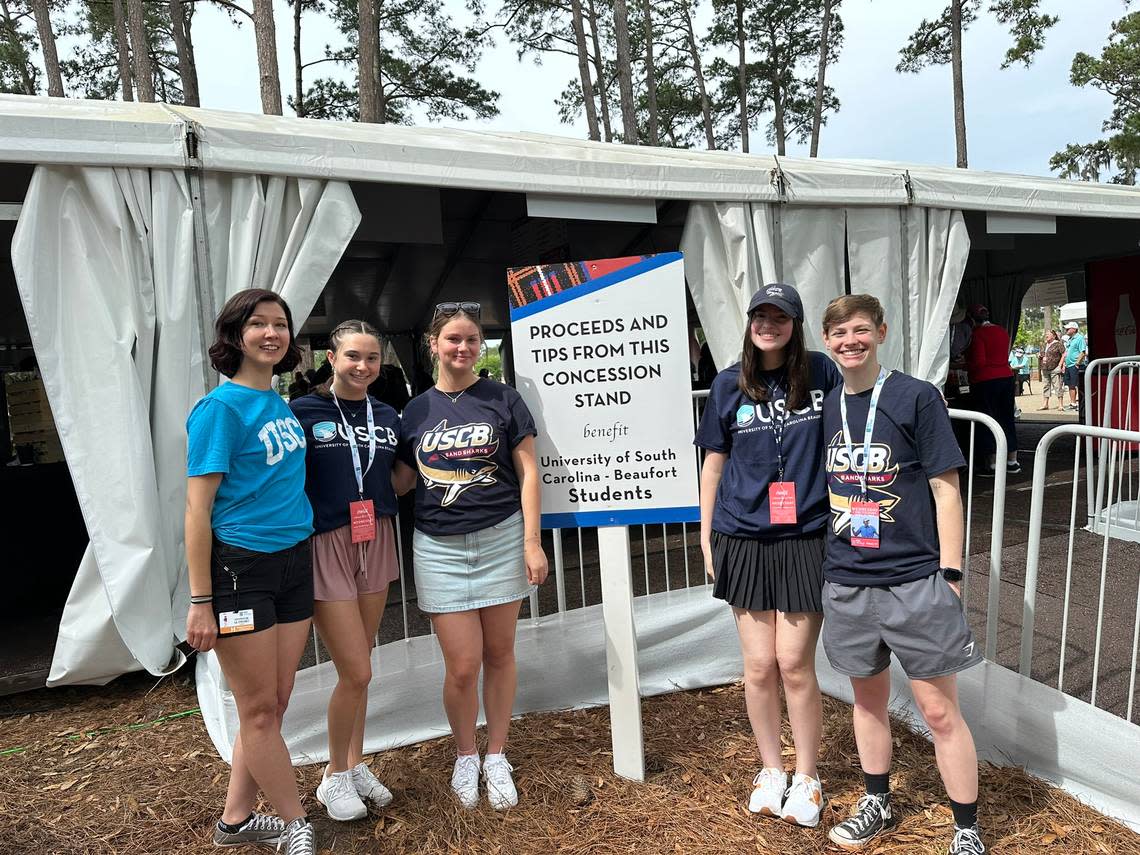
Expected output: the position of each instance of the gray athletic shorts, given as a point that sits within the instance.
(921, 622)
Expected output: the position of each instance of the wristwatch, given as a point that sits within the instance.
(950, 574)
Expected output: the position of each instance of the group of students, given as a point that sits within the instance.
(289, 513)
(825, 493)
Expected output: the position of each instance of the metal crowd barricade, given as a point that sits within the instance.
(1094, 371)
(1116, 447)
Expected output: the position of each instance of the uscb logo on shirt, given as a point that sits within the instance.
(324, 431)
(745, 415)
(454, 459)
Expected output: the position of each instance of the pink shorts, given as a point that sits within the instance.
(343, 570)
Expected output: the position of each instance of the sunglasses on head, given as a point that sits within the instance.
(448, 309)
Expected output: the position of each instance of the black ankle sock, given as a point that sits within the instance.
(233, 829)
(879, 785)
(965, 815)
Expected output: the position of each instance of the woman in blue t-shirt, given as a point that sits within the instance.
(477, 544)
(351, 441)
(763, 514)
(247, 548)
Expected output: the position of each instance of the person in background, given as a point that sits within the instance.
(897, 592)
(248, 523)
(477, 547)
(299, 386)
(1019, 363)
(1052, 369)
(351, 443)
(763, 516)
(1076, 355)
(992, 386)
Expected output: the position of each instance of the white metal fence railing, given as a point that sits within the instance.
(1110, 383)
(1096, 608)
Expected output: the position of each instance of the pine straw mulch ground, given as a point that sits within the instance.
(91, 771)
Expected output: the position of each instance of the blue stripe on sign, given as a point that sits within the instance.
(593, 285)
(642, 517)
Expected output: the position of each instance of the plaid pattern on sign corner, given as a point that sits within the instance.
(532, 283)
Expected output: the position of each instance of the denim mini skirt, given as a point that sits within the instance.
(463, 572)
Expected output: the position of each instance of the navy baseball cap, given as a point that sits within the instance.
(783, 297)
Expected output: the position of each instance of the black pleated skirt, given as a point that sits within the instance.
(762, 575)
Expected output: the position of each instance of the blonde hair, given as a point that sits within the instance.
(842, 309)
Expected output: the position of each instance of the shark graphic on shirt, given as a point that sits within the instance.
(454, 459)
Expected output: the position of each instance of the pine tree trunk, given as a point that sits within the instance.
(824, 46)
(778, 105)
(743, 76)
(47, 47)
(22, 60)
(599, 69)
(265, 36)
(123, 50)
(381, 98)
(959, 94)
(298, 68)
(186, 68)
(650, 73)
(706, 110)
(584, 70)
(366, 60)
(625, 72)
(140, 50)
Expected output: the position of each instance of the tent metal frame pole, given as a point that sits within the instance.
(904, 243)
(203, 273)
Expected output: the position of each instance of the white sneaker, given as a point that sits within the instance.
(338, 794)
(768, 792)
(465, 779)
(297, 838)
(501, 792)
(369, 788)
(804, 801)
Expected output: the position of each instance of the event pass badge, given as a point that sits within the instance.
(239, 621)
(362, 517)
(865, 524)
(782, 503)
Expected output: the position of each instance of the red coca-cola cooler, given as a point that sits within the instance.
(1113, 304)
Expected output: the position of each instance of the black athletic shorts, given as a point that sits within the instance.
(278, 586)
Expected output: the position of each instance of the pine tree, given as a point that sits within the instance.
(18, 74)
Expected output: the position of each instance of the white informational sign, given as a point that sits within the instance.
(601, 357)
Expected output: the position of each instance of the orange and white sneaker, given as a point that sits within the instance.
(804, 801)
(768, 787)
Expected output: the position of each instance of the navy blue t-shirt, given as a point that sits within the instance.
(741, 428)
(330, 480)
(462, 451)
(912, 443)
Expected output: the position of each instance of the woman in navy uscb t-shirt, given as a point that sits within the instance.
(354, 548)
(469, 444)
(763, 513)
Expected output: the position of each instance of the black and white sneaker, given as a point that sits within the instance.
(967, 841)
(871, 815)
(259, 829)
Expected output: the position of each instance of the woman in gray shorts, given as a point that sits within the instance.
(892, 567)
(476, 548)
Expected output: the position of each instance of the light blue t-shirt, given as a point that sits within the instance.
(255, 441)
(1074, 349)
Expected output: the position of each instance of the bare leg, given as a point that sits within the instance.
(460, 637)
(757, 631)
(796, 636)
(343, 633)
(500, 674)
(872, 723)
(937, 700)
(371, 612)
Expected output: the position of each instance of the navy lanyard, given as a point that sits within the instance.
(872, 411)
(351, 435)
(778, 425)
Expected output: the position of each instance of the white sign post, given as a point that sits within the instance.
(601, 358)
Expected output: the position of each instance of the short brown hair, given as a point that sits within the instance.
(842, 309)
(225, 352)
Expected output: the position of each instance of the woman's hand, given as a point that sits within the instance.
(537, 568)
(201, 627)
(706, 551)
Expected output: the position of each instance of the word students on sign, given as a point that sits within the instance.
(601, 358)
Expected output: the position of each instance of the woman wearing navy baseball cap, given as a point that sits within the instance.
(764, 511)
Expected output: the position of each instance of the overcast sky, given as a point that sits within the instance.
(1015, 119)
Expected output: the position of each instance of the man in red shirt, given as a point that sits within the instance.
(992, 385)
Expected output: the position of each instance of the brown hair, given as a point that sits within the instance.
(795, 365)
(842, 309)
(346, 328)
(441, 320)
(226, 353)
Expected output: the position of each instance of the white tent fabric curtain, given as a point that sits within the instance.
(104, 262)
(733, 248)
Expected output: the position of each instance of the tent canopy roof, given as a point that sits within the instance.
(113, 133)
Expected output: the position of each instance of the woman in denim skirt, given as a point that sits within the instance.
(477, 545)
